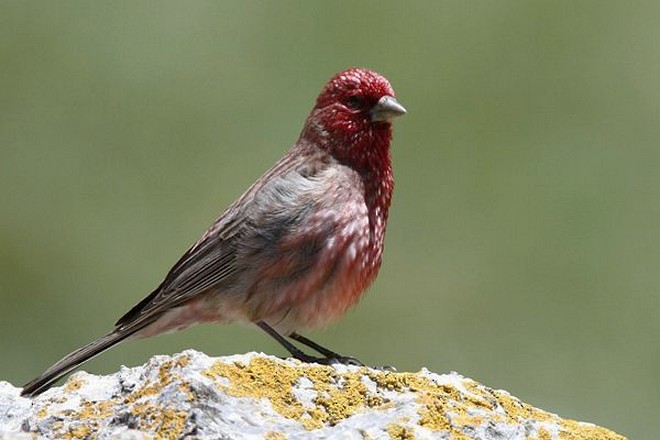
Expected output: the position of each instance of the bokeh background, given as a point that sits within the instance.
(523, 245)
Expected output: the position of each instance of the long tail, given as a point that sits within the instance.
(73, 360)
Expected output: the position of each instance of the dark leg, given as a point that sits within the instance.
(311, 344)
(330, 356)
(295, 351)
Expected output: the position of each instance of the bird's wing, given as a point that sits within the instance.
(242, 238)
(207, 262)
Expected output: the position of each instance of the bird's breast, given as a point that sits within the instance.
(347, 261)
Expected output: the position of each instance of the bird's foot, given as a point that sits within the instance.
(385, 368)
(330, 360)
(344, 360)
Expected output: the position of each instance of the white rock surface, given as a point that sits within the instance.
(254, 396)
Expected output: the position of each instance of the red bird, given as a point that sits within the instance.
(298, 248)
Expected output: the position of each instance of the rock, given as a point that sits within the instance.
(257, 396)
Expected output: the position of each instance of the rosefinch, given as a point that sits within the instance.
(298, 248)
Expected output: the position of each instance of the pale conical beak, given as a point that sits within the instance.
(386, 109)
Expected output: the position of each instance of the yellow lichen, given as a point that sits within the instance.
(261, 379)
(572, 430)
(450, 408)
(73, 384)
(79, 432)
(164, 378)
(166, 423)
(438, 411)
(443, 407)
(398, 432)
(182, 361)
(433, 414)
(338, 402)
(544, 435)
(96, 410)
(163, 421)
(338, 396)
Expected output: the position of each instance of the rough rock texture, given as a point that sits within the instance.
(254, 396)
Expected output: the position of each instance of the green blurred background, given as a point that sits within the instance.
(522, 249)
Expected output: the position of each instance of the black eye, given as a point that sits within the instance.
(355, 102)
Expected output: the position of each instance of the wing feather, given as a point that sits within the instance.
(252, 224)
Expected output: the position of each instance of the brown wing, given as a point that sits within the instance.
(283, 196)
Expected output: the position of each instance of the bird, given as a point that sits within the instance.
(297, 249)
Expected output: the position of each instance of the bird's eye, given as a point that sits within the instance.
(355, 102)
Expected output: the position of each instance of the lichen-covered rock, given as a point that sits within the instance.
(255, 396)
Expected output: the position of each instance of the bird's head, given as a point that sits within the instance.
(352, 116)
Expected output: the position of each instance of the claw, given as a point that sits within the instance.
(386, 368)
(345, 360)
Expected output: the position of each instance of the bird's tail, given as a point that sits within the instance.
(73, 360)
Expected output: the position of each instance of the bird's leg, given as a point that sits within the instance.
(295, 351)
(313, 345)
(329, 354)
(300, 355)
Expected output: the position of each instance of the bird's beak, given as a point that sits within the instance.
(386, 109)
